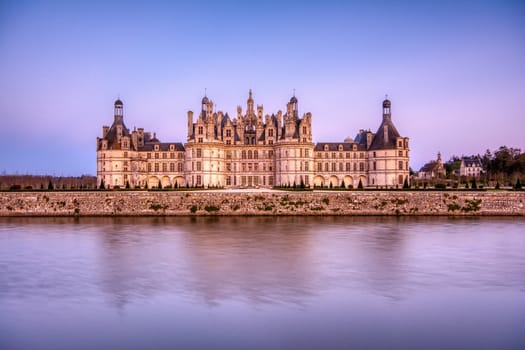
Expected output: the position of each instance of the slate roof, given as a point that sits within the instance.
(379, 141)
(472, 162)
(334, 146)
(111, 136)
(163, 146)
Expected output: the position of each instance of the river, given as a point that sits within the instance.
(262, 283)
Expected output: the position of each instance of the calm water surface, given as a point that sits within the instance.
(262, 283)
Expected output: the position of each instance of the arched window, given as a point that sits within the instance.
(255, 155)
(250, 154)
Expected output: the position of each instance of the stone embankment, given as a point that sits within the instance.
(181, 203)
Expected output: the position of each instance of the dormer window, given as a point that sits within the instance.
(172, 148)
(340, 147)
(156, 147)
(326, 147)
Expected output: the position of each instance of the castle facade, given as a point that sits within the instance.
(250, 150)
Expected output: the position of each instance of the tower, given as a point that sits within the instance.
(119, 111)
(294, 107)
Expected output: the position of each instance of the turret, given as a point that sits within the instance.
(119, 111)
(386, 109)
(190, 125)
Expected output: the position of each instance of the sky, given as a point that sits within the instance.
(454, 71)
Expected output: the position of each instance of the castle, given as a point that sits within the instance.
(250, 150)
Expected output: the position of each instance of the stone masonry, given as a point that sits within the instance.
(188, 203)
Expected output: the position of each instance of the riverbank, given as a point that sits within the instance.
(218, 202)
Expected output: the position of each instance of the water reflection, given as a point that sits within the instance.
(254, 260)
(331, 282)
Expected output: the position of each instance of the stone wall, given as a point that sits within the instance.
(177, 203)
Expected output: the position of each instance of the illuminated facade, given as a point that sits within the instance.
(250, 150)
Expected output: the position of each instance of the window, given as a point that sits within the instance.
(164, 155)
(340, 166)
(250, 154)
(326, 167)
(255, 155)
(355, 166)
(361, 166)
(400, 165)
(199, 153)
(199, 180)
(243, 155)
(307, 153)
(270, 132)
(334, 167)
(270, 180)
(305, 166)
(201, 130)
(400, 153)
(304, 130)
(348, 168)
(164, 167)
(156, 155)
(156, 167)
(400, 143)
(361, 155)
(172, 167)
(319, 167)
(149, 167)
(229, 166)
(270, 154)
(125, 154)
(333, 155)
(199, 166)
(374, 165)
(228, 181)
(228, 133)
(199, 140)
(374, 154)
(172, 155)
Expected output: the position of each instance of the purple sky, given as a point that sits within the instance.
(454, 70)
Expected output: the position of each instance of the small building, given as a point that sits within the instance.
(433, 169)
(471, 167)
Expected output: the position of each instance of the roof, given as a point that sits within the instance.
(334, 146)
(163, 146)
(111, 136)
(380, 141)
(471, 162)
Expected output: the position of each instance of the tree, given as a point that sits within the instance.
(50, 185)
(302, 183)
(127, 185)
(405, 184)
(474, 185)
(343, 184)
(102, 186)
(517, 186)
(360, 185)
(331, 186)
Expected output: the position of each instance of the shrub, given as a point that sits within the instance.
(360, 185)
(210, 208)
(193, 209)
